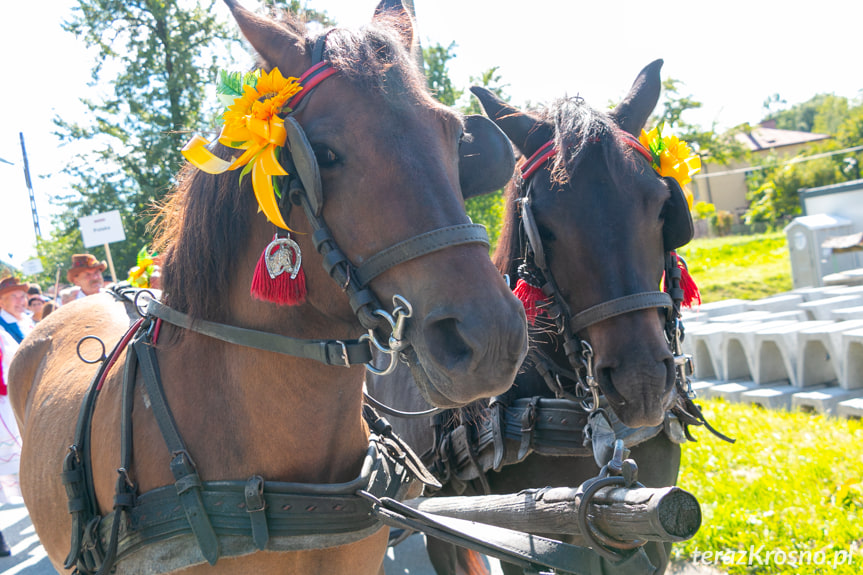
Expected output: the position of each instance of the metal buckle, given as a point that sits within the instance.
(344, 352)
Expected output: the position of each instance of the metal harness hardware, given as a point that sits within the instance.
(216, 518)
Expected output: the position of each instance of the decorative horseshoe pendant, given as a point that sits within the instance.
(283, 255)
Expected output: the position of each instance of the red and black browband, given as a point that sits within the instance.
(547, 151)
(309, 80)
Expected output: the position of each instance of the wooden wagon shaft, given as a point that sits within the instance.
(665, 514)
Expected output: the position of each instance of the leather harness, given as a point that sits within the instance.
(576, 424)
(195, 521)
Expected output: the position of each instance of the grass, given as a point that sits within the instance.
(744, 267)
(788, 494)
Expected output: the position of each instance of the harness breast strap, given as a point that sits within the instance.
(329, 352)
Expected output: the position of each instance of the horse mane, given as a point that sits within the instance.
(576, 124)
(202, 227)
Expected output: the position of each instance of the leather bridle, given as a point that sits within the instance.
(578, 351)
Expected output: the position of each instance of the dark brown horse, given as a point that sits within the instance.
(592, 225)
(394, 166)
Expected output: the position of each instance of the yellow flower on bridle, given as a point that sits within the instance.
(671, 156)
(251, 123)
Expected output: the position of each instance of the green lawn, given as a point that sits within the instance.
(745, 267)
(786, 498)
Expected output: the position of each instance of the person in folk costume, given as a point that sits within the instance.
(15, 324)
(86, 274)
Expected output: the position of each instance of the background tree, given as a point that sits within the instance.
(487, 209)
(153, 69)
(774, 189)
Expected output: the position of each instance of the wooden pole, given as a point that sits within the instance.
(667, 514)
(111, 264)
(57, 287)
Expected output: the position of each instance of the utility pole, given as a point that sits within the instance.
(30, 189)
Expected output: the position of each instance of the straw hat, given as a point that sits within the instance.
(84, 262)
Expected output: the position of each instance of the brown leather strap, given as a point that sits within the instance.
(419, 246)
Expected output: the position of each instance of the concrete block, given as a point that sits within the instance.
(777, 397)
(745, 316)
(701, 387)
(820, 352)
(846, 313)
(849, 290)
(822, 308)
(847, 278)
(784, 302)
(851, 408)
(738, 349)
(714, 309)
(816, 293)
(704, 343)
(852, 358)
(824, 400)
(774, 351)
(730, 391)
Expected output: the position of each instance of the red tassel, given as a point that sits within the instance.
(529, 296)
(281, 290)
(687, 284)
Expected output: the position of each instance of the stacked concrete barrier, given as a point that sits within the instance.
(799, 350)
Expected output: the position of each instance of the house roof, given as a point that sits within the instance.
(766, 138)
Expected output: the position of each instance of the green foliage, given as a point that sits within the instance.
(722, 222)
(823, 114)
(703, 210)
(792, 482)
(153, 70)
(488, 209)
(435, 60)
(745, 267)
(773, 195)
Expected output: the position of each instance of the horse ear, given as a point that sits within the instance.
(395, 11)
(275, 43)
(632, 113)
(527, 133)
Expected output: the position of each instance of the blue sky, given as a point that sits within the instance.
(731, 56)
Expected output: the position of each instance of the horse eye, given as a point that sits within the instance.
(325, 156)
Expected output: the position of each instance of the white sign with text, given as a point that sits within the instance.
(32, 267)
(100, 229)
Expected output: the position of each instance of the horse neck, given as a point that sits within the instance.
(284, 418)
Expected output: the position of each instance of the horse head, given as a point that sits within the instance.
(604, 222)
(386, 169)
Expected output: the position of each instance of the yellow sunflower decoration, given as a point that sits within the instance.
(252, 124)
(671, 158)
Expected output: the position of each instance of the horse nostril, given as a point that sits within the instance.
(446, 344)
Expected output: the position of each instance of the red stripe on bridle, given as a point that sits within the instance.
(309, 80)
(541, 156)
(633, 143)
(548, 151)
